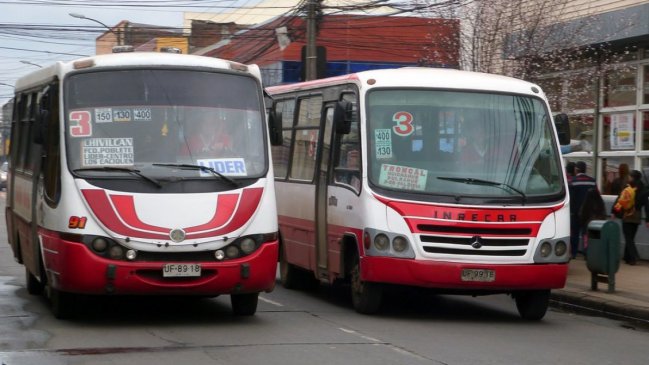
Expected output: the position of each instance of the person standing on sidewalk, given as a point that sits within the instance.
(578, 186)
(592, 209)
(628, 205)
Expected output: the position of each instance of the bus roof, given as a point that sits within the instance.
(425, 77)
(59, 69)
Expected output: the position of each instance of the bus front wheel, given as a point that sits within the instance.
(533, 304)
(244, 304)
(61, 303)
(366, 297)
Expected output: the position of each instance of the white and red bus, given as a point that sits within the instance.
(142, 173)
(421, 177)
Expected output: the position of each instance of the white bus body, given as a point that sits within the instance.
(122, 201)
(432, 178)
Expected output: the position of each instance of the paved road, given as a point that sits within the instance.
(293, 327)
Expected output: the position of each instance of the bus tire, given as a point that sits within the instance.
(289, 275)
(34, 287)
(532, 305)
(61, 303)
(366, 297)
(244, 304)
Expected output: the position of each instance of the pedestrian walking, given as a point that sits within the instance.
(628, 206)
(593, 208)
(620, 182)
(578, 187)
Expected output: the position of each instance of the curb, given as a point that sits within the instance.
(582, 303)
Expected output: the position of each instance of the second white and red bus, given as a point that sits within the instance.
(431, 178)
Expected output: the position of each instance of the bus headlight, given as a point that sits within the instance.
(560, 248)
(99, 244)
(247, 245)
(546, 249)
(219, 255)
(399, 244)
(232, 252)
(116, 252)
(381, 242)
(131, 255)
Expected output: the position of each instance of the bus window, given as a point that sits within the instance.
(306, 139)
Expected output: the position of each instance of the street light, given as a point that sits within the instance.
(31, 63)
(2, 83)
(81, 16)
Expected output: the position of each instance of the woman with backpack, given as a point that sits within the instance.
(627, 207)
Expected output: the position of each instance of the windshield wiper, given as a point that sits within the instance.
(199, 167)
(121, 169)
(472, 181)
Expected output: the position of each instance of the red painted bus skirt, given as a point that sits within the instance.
(72, 267)
(448, 275)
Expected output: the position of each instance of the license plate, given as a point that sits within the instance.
(478, 275)
(181, 270)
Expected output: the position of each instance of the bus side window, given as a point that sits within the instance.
(52, 162)
(347, 162)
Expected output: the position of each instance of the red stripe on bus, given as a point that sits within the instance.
(248, 204)
(103, 210)
(125, 207)
(225, 206)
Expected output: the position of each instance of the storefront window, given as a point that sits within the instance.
(645, 85)
(620, 86)
(619, 132)
(645, 130)
(589, 163)
(581, 132)
(582, 89)
(552, 89)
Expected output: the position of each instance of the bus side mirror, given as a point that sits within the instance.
(343, 117)
(275, 127)
(562, 124)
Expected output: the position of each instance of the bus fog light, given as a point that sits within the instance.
(560, 248)
(99, 244)
(399, 244)
(232, 252)
(546, 249)
(116, 252)
(219, 255)
(131, 255)
(247, 245)
(381, 242)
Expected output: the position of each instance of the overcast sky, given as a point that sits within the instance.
(64, 41)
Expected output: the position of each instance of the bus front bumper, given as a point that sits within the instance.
(72, 267)
(463, 276)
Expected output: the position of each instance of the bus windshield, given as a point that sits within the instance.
(462, 144)
(154, 119)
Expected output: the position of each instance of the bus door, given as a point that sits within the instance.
(322, 182)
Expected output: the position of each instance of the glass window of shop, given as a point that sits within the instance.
(552, 89)
(645, 130)
(620, 86)
(645, 85)
(619, 132)
(582, 91)
(582, 129)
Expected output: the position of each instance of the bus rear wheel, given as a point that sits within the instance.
(293, 277)
(244, 304)
(34, 287)
(532, 305)
(366, 297)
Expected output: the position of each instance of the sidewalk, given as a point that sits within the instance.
(630, 300)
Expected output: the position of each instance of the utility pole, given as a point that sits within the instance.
(311, 50)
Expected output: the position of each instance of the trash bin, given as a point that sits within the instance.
(603, 253)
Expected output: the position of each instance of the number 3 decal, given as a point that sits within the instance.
(80, 124)
(404, 124)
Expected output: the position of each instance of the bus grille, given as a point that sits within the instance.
(467, 245)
